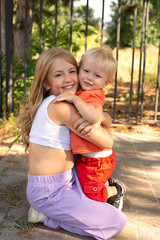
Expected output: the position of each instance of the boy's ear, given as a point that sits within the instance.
(45, 85)
(107, 83)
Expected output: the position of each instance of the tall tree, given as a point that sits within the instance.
(127, 18)
(2, 26)
(19, 28)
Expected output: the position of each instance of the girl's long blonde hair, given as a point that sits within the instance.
(37, 91)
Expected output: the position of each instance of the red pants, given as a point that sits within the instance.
(93, 173)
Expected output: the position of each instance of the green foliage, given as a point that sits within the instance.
(154, 23)
(63, 28)
(78, 35)
(48, 31)
(10, 196)
(80, 12)
(18, 79)
(127, 22)
(2, 226)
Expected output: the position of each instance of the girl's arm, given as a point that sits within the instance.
(63, 113)
(89, 112)
(107, 120)
(84, 127)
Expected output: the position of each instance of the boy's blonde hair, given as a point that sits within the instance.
(38, 92)
(104, 57)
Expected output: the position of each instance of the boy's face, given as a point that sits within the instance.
(92, 76)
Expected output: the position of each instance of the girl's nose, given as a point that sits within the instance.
(67, 78)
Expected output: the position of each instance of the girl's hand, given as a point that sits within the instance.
(68, 97)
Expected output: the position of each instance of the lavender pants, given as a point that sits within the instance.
(62, 200)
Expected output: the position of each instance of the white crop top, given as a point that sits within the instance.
(45, 132)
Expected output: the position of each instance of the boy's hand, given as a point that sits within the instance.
(92, 128)
(69, 97)
(85, 128)
(81, 126)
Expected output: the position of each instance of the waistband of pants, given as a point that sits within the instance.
(47, 179)
(101, 154)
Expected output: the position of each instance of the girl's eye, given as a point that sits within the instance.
(58, 75)
(73, 71)
(85, 70)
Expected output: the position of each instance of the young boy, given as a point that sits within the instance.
(95, 165)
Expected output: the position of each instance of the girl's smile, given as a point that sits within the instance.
(62, 77)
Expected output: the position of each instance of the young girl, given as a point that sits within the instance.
(53, 187)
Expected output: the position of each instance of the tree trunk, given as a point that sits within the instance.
(3, 26)
(19, 29)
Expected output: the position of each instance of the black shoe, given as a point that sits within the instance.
(117, 200)
(111, 181)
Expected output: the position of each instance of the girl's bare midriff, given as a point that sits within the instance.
(48, 161)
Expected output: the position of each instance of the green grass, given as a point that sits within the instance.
(21, 226)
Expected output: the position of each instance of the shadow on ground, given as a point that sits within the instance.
(138, 166)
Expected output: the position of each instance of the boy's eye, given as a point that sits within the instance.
(85, 70)
(98, 76)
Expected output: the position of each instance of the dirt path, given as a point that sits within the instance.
(6, 139)
(122, 102)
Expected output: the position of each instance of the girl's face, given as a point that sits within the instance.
(92, 76)
(62, 77)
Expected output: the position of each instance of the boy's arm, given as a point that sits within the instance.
(84, 127)
(89, 112)
(66, 114)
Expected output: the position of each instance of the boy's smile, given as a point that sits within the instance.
(92, 76)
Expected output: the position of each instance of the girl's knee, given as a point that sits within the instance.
(121, 222)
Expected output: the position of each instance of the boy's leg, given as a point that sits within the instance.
(93, 175)
(117, 200)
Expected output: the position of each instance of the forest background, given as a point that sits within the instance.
(78, 47)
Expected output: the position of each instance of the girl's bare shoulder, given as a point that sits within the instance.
(62, 112)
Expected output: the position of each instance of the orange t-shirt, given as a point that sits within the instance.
(78, 144)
